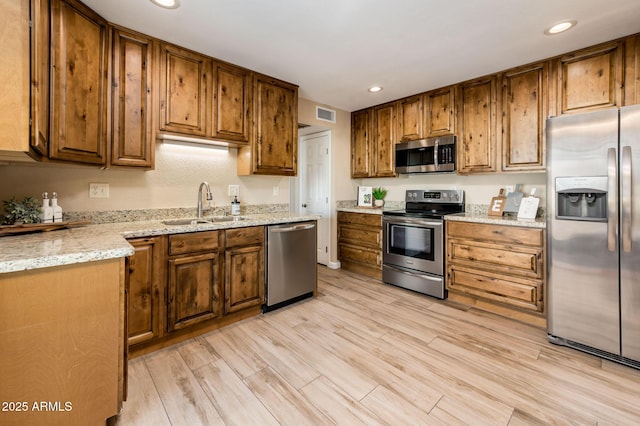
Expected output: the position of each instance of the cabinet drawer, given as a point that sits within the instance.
(366, 219)
(360, 236)
(518, 292)
(194, 242)
(245, 236)
(495, 233)
(366, 256)
(520, 260)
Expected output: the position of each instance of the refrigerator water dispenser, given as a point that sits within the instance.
(581, 198)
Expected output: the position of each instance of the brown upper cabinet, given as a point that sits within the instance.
(590, 79)
(632, 71)
(131, 125)
(79, 84)
(524, 110)
(477, 125)
(185, 87)
(361, 144)
(274, 147)
(440, 114)
(410, 118)
(40, 42)
(373, 135)
(232, 88)
(384, 137)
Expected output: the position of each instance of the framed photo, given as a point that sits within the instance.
(365, 196)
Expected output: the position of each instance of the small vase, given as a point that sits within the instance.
(378, 203)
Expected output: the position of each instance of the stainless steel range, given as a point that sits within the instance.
(413, 249)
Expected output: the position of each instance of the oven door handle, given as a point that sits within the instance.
(413, 222)
(413, 274)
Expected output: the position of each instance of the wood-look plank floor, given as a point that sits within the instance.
(367, 353)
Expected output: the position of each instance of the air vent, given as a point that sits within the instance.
(325, 114)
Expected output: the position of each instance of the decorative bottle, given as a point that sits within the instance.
(235, 206)
(47, 211)
(57, 210)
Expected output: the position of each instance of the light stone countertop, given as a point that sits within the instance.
(539, 222)
(106, 241)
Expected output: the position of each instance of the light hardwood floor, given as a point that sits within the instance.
(367, 353)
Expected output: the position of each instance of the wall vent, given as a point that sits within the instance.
(325, 114)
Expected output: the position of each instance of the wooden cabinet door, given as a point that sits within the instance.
(361, 144)
(40, 45)
(410, 118)
(185, 81)
(524, 111)
(132, 143)
(439, 112)
(632, 71)
(194, 290)
(244, 278)
(275, 148)
(231, 103)
(477, 125)
(384, 135)
(79, 79)
(145, 291)
(590, 79)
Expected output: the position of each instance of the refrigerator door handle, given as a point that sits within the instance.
(612, 202)
(625, 198)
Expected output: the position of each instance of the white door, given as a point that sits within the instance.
(315, 181)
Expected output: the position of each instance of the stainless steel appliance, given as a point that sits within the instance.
(593, 228)
(291, 263)
(427, 155)
(413, 240)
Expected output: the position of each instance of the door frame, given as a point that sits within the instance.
(295, 186)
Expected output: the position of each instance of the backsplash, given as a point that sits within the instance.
(114, 216)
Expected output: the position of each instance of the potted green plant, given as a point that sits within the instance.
(378, 196)
(25, 211)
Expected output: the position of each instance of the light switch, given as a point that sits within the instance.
(234, 190)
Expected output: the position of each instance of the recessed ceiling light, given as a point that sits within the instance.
(167, 4)
(374, 89)
(560, 27)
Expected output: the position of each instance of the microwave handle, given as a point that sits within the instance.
(435, 154)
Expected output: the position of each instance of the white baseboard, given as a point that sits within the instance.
(333, 265)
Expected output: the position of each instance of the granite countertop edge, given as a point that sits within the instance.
(107, 241)
(539, 222)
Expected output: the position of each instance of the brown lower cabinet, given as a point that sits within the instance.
(182, 285)
(360, 243)
(497, 268)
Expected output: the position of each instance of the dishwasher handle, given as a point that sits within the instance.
(293, 228)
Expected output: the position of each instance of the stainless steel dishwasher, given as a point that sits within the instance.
(291, 263)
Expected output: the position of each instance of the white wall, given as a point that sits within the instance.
(478, 188)
(174, 182)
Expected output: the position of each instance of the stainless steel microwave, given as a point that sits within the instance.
(431, 155)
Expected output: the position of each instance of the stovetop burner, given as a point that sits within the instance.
(430, 203)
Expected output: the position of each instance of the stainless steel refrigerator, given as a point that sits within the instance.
(593, 233)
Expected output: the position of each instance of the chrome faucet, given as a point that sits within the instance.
(209, 197)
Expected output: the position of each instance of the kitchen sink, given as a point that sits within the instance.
(186, 221)
(178, 222)
(228, 218)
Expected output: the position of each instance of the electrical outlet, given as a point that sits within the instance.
(276, 191)
(98, 190)
(510, 188)
(234, 190)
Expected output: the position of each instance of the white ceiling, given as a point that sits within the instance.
(336, 49)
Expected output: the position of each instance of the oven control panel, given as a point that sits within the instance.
(435, 196)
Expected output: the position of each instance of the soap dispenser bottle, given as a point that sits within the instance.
(235, 206)
(57, 210)
(47, 211)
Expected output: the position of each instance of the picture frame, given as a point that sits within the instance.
(365, 196)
